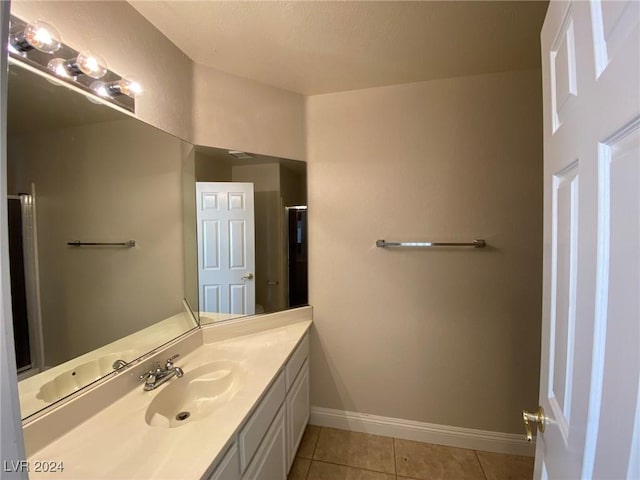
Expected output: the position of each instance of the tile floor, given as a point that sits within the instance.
(332, 454)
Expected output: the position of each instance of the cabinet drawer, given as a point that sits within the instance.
(229, 466)
(296, 360)
(252, 433)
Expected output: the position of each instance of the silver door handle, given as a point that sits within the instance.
(248, 276)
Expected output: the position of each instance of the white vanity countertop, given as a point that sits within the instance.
(117, 443)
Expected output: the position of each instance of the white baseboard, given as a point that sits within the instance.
(423, 432)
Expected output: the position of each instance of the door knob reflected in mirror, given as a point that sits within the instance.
(248, 276)
(537, 417)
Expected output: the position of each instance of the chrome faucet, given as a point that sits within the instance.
(158, 374)
(119, 364)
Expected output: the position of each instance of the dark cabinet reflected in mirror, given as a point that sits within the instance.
(251, 233)
(79, 171)
(297, 260)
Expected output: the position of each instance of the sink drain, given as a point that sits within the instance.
(182, 416)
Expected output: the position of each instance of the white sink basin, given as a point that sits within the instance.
(195, 395)
(81, 375)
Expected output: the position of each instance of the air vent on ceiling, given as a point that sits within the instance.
(240, 155)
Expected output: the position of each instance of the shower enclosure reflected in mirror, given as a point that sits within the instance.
(79, 171)
(252, 233)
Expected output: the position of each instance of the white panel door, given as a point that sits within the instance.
(590, 363)
(226, 247)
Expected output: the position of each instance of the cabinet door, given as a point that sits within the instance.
(229, 467)
(253, 433)
(297, 412)
(270, 461)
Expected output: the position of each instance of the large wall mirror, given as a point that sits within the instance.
(120, 233)
(85, 172)
(252, 233)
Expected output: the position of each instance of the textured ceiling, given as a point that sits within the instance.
(319, 47)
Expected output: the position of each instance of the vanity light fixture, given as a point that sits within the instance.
(124, 86)
(31, 45)
(86, 63)
(37, 35)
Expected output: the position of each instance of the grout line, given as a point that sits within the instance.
(481, 467)
(315, 445)
(395, 463)
(394, 473)
(351, 466)
(313, 453)
(309, 471)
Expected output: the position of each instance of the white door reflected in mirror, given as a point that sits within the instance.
(226, 247)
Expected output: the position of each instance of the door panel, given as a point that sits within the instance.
(237, 299)
(564, 88)
(612, 23)
(617, 307)
(237, 244)
(590, 365)
(564, 278)
(211, 298)
(211, 245)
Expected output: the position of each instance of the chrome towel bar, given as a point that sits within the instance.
(476, 244)
(78, 243)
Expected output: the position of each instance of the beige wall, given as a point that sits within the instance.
(265, 178)
(107, 182)
(268, 230)
(212, 169)
(293, 187)
(442, 336)
(240, 114)
(189, 226)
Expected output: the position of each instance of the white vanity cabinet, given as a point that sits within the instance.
(266, 444)
(270, 461)
(228, 468)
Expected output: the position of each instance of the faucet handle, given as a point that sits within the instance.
(153, 371)
(170, 360)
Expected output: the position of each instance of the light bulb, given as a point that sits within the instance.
(130, 87)
(86, 62)
(124, 86)
(91, 64)
(100, 88)
(42, 36)
(59, 66)
(39, 35)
